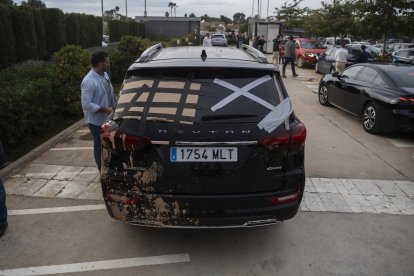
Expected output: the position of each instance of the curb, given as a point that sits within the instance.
(33, 154)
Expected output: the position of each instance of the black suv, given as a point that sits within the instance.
(203, 137)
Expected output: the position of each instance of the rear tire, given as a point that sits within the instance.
(323, 95)
(371, 118)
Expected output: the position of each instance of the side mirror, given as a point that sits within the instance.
(335, 75)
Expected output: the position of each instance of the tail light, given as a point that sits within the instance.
(287, 198)
(117, 138)
(406, 100)
(293, 140)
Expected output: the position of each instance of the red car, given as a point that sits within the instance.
(307, 50)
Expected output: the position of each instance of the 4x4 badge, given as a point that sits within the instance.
(277, 115)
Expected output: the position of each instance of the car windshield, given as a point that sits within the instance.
(311, 45)
(191, 95)
(404, 77)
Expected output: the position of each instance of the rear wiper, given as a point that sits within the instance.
(226, 116)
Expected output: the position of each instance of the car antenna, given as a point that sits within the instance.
(203, 55)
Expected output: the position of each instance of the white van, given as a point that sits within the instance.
(329, 41)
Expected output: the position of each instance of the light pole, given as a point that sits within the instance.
(145, 9)
(126, 9)
(102, 18)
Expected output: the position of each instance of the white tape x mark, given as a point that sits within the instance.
(277, 115)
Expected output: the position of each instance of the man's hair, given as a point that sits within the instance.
(343, 45)
(98, 57)
(291, 37)
(363, 47)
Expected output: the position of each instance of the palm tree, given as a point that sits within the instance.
(171, 5)
(175, 11)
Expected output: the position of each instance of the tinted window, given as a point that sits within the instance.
(351, 72)
(367, 75)
(404, 77)
(187, 95)
(378, 81)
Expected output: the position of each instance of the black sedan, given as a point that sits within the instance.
(326, 61)
(382, 95)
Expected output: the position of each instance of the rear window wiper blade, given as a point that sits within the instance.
(226, 116)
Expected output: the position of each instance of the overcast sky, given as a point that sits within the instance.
(213, 8)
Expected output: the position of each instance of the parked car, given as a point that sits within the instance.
(219, 39)
(203, 138)
(307, 50)
(398, 46)
(373, 51)
(403, 56)
(326, 61)
(382, 95)
(330, 41)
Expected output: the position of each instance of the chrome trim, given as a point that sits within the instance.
(216, 143)
(160, 142)
(249, 224)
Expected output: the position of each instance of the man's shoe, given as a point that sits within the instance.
(295, 75)
(3, 228)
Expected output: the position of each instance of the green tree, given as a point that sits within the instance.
(167, 14)
(192, 15)
(72, 63)
(292, 14)
(34, 4)
(379, 18)
(129, 49)
(226, 20)
(239, 18)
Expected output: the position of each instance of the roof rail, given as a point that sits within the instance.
(255, 53)
(148, 53)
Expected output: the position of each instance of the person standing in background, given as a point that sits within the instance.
(207, 41)
(289, 57)
(98, 99)
(363, 56)
(261, 43)
(341, 59)
(275, 57)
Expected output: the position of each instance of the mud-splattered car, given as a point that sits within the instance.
(203, 137)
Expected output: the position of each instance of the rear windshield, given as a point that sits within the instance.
(404, 77)
(218, 36)
(196, 95)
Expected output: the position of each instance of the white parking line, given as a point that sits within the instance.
(99, 265)
(56, 210)
(401, 143)
(74, 148)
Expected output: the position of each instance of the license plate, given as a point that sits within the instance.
(203, 154)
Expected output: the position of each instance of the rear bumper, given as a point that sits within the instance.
(402, 119)
(200, 211)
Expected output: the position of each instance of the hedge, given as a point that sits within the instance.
(120, 28)
(36, 34)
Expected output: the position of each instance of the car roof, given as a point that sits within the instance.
(389, 67)
(193, 56)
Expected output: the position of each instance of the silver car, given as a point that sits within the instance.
(219, 40)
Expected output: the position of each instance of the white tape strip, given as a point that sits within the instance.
(277, 116)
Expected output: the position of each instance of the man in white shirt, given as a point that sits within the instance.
(207, 41)
(341, 58)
